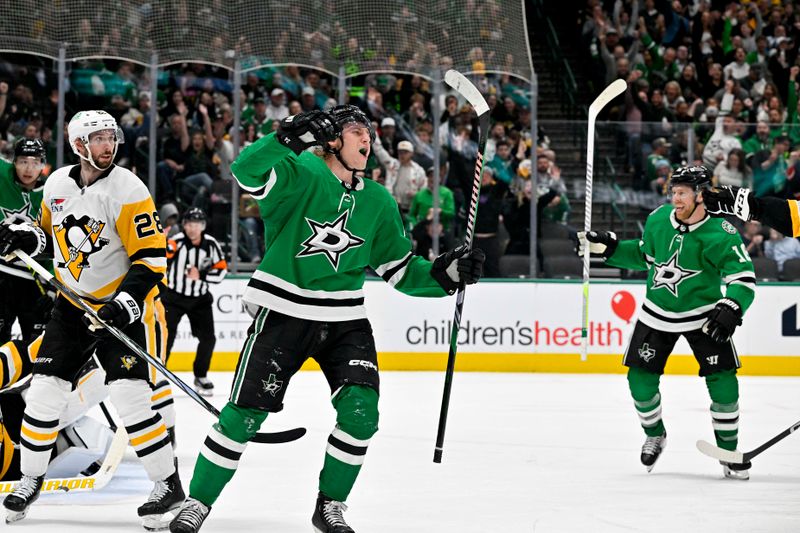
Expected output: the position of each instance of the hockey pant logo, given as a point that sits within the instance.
(272, 385)
(646, 352)
(128, 361)
(369, 365)
(712, 359)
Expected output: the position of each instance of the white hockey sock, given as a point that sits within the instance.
(45, 401)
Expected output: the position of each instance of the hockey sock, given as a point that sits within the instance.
(146, 429)
(723, 387)
(45, 402)
(356, 422)
(222, 449)
(647, 400)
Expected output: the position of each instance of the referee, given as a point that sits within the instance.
(194, 260)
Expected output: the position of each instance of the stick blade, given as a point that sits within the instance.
(460, 83)
(715, 452)
(279, 437)
(616, 88)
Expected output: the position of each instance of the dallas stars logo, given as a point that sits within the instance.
(272, 385)
(17, 216)
(670, 274)
(331, 239)
(646, 352)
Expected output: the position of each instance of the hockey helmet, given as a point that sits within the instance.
(696, 177)
(30, 148)
(195, 214)
(84, 123)
(346, 114)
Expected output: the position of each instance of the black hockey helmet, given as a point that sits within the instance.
(698, 177)
(346, 113)
(30, 148)
(195, 214)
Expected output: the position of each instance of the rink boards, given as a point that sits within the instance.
(521, 326)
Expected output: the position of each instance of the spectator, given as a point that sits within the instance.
(738, 69)
(404, 177)
(780, 248)
(733, 171)
(253, 227)
(504, 163)
(758, 142)
(422, 204)
(722, 141)
(388, 136)
(487, 222)
(753, 238)
(308, 99)
(277, 110)
(769, 168)
(173, 150)
(660, 152)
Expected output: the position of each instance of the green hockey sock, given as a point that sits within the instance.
(356, 422)
(222, 450)
(647, 400)
(723, 387)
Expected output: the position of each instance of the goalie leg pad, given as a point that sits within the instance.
(45, 402)
(146, 429)
(356, 423)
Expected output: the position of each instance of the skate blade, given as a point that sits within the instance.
(159, 522)
(15, 516)
(204, 392)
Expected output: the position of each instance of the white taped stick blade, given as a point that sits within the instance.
(727, 456)
(616, 88)
(460, 83)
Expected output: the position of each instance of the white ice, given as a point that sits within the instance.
(523, 453)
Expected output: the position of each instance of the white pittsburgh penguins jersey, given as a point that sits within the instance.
(99, 231)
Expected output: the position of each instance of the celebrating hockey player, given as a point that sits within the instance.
(20, 201)
(324, 224)
(100, 225)
(782, 215)
(687, 254)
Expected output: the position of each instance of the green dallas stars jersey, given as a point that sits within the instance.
(17, 205)
(686, 266)
(320, 236)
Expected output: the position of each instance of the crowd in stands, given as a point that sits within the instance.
(709, 82)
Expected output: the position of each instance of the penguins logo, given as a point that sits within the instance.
(77, 239)
(128, 361)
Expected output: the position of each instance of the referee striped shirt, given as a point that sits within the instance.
(207, 257)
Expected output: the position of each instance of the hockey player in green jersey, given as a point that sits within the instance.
(323, 225)
(687, 255)
(22, 297)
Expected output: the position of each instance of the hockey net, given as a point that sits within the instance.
(415, 36)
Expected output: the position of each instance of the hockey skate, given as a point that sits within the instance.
(167, 495)
(736, 471)
(203, 386)
(328, 516)
(651, 450)
(191, 516)
(18, 502)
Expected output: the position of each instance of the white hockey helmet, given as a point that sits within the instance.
(84, 123)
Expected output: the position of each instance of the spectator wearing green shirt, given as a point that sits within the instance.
(422, 203)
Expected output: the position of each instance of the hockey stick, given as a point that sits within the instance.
(280, 436)
(465, 88)
(96, 481)
(609, 93)
(735, 457)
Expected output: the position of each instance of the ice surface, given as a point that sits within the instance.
(523, 453)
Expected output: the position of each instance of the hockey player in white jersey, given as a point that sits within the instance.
(100, 224)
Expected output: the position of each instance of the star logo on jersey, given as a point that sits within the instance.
(18, 216)
(272, 385)
(331, 239)
(670, 274)
(646, 352)
(77, 240)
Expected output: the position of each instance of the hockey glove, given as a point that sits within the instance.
(25, 237)
(120, 312)
(722, 320)
(457, 266)
(601, 243)
(303, 130)
(728, 200)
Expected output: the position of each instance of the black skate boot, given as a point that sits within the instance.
(203, 386)
(740, 471)
(328, 516)
(191, 516)
(651, 450)
(167, 495)
(18, 502)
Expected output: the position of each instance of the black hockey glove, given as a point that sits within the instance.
(722, 320)
(458, 265)
(120, 312)
(728, 200)
(303, 130)
(25, 237)
(601, 243)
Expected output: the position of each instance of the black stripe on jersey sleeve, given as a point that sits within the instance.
(392, 271)
(139, 281)
(303, 300)
(149, 252)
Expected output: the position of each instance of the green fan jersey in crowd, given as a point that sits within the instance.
(685, 266)
(17, 205)
(320, 236)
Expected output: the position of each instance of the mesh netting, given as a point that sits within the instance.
(413, 36)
